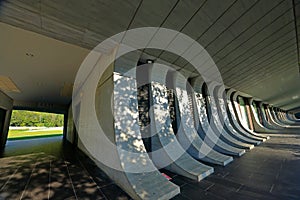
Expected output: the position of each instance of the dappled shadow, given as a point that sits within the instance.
(128, 137)
(67, 173)
(40, 176)
(141, 175)
(170, 153)
(200, 103)
(144, 119)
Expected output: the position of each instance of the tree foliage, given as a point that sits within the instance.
(38, 119)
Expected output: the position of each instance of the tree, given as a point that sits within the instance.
(38, 119)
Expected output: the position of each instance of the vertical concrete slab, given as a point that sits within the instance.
(109, 132)
(217, 124)
(166, 150)
(70, 125)
(276, 123)
(6, 104)
(258, 128)
(275, 116)
(273, 125)
(187, 134)
(204, 128)
(234, 123)
(130, 146)
(222, 105)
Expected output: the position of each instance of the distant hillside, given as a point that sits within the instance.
(29, 118)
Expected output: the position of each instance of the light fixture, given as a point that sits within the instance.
(29, 54)
(149, 61)
(7, 85)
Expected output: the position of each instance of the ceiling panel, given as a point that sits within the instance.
(186, 9)
(253, 42)
(247, 46)
(39, 77)
(283, 62)
(255, 64)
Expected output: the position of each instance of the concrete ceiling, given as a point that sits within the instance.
(44, 74)
(254, 43)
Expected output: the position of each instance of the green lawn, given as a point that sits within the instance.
(26, 134)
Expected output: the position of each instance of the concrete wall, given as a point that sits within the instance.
(71, 132)
(70, 126)
(89, 140)
(6, 103)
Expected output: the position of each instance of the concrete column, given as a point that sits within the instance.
(6, 103)
(109, 132)
(249, 115)
(65, 126)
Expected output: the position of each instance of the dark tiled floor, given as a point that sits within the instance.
(49, 171)
(48, 168)
(269, 171)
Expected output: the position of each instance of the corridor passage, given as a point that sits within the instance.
(48, 168)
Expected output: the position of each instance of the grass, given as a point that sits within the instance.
(27, 134)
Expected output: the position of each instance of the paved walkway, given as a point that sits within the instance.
(269, 171)
(47, 168)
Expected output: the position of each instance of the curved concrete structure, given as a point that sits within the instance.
(166, 150)
(187, 134)
(289, 118)
(217, 125)
(273, 120)
(236, 123)
(221, 102)
(276, 117)
(67, 46)
(132, 168)
(281, 116)
(267, 121)
(205, 131)
(258, 127)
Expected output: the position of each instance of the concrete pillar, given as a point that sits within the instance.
(109, 132)
(6, 106)
(250, 120)
(65, 126)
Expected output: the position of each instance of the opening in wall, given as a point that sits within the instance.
(297, 115)
(243, 111)
(2, 121)
(26, 124)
